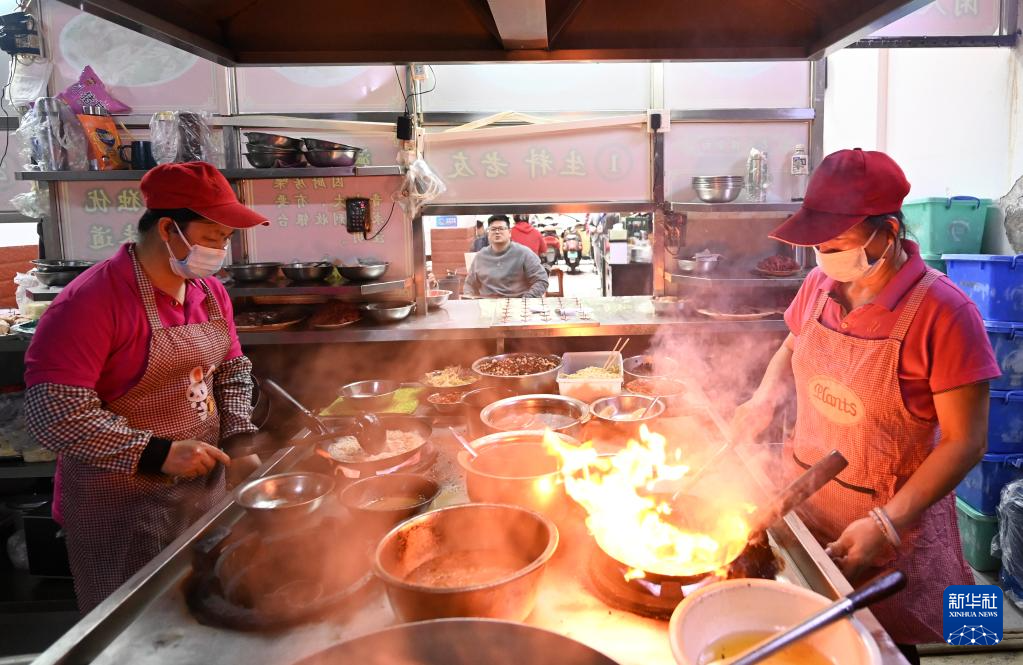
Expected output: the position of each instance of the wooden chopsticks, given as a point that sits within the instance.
(611, 358)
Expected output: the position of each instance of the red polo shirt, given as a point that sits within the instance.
(96, 335)
(946, 346)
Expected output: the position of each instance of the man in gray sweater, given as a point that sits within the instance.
(505, 269)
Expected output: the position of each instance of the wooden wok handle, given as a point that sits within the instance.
(799, 490)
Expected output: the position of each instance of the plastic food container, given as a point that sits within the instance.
(993, 281)
(588, 390)
(946, 225)
(977, 530)
(1005, 422)
(982, 486)
(1007, 341)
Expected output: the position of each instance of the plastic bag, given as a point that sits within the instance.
(34, 203)
(24, 282)
(53, 136)
(29, 82)
(17, 550)
(1010, 537)
(182, 136)
(420, 187)
(89, 90)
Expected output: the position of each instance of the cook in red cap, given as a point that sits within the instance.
(890, 362)
(136, 379)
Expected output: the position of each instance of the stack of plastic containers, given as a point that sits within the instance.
(995, 283)
(953, 225)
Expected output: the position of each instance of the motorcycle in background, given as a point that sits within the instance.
(573, 251)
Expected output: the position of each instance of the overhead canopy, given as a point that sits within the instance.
(274, 32)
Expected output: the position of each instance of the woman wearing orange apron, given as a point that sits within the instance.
(135, 378)
(890, 363)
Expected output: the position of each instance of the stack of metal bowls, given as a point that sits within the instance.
(328, 153)
(58, 272)
(265, 151)
(718, 188)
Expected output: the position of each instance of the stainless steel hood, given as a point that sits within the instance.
(306, 32)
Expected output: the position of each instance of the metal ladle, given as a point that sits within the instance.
(369, 431)
(879, 588)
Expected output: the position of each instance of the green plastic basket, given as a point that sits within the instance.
(934, 261)
(977, 530)
(952, 225)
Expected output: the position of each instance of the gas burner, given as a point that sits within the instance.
(656, 596)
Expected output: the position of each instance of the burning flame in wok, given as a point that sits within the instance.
(638, 528)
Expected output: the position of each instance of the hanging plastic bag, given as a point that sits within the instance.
(54, 136)
(421, 186)
(25, 282)
(29, 82)
(183, 136)
(35, 203)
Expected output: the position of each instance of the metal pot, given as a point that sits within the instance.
(460, 642)
(536, 412)
(515, 468)
(279, 500)
(56, 277)
(253, 272)
(527, 384)
(426, 562)
(312, 271)
(363, 273)
(475, 401)
(662, 367)
(360, 496)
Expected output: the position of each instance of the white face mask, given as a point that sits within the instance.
(850, 265)
(200, 262)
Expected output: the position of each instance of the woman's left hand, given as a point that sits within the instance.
(859, 548)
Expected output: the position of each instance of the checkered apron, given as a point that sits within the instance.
(116, 523)
(849, 400)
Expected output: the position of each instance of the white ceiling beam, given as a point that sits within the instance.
(521, 23)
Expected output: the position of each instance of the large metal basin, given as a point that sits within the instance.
(475, 560)
(536, 412)
(526, 384)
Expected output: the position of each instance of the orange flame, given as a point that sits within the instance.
(638, 527)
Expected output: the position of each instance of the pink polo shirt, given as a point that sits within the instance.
(946, 346)
(95, 334)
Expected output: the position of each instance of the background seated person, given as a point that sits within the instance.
(505, 269)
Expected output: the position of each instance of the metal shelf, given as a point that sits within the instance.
(27, 470)
(698, 207)
(736, 282)
(285, 288)
(231, 174)
(537, 208)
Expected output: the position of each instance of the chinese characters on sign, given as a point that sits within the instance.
(609, 162)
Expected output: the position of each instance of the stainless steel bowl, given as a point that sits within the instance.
(422, 560)
(253, 272)
(273, 140)
(686, 265)
(320, 144)
(618, 409)
(279, 499)
(386, 312)
(445, 408)
(56, 277)
(367, 499)
(667, 305)
(370, 395)
(327, 158)
(61, 265)
(437, 298)
(536, 412)
(718, 193)
(527, 384)
(285, 159)
(363, 273)
(662, 367)
(312, 271)
(673, 393)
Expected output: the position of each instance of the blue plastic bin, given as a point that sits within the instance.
(983, 484)
(947, 225)
(993, 281)
(1007, 341)
(1005, 422)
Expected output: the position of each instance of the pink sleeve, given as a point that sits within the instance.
(960, 350)
(802, 305)
(72, 342)
(224, 300)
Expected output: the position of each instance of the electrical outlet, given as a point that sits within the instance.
(418, 72)
(658, 121)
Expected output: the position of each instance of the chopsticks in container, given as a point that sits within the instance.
(611, 357)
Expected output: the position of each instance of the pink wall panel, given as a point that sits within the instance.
(317, 89)
(947, 18)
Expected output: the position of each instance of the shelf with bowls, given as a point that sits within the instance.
(736, 282)
(283, 287)
(230, 174)
(700, 207)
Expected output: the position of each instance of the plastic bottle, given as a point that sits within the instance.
(800, 170)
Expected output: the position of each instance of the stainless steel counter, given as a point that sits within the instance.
(146, 621)
(470, 319)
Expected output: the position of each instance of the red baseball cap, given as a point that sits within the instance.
(847, 187)
(200, 187)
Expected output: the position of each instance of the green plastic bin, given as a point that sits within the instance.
(952, 225)
(977, 530)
